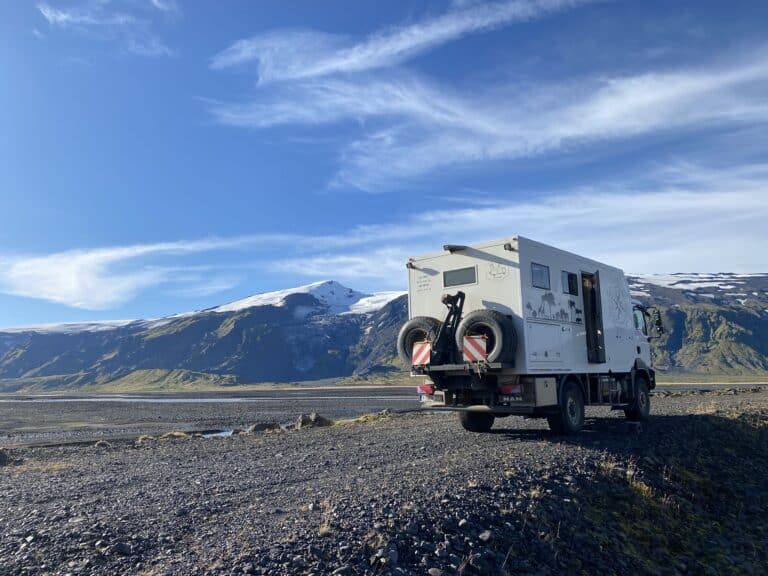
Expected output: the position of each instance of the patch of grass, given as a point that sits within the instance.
(535, 492)
(157, 380)
(608, 465)
(705, 408)
(700, 378)
(364, 419)
(692, 506)
(636, 483)
(175, 435)
(327, 509)
(37, 467)
(395, 378)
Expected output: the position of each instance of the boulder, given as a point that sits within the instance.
(313, 420)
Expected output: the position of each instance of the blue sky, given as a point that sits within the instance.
(159, 156)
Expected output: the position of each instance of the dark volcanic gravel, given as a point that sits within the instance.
(405, 494)
(29, 420)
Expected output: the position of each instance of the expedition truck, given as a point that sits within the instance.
(516, 327)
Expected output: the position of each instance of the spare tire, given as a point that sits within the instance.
(501, 343)
(415, 330)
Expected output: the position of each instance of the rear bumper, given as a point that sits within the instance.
(437, 403)
(520, 410)
(465, 368)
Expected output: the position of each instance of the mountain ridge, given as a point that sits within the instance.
(339, 299)
(716, 324)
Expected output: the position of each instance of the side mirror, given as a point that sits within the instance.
(656, 321)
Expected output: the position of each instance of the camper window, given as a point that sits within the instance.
(570, 283)
(459, 277)
(540, 275)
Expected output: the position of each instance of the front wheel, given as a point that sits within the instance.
(641, 407)
(570, 418)
(476, 421)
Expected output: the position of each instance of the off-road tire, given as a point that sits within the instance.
(415, 330)
(502, 338)
(476, 421)
(640, 410)
(570, 418)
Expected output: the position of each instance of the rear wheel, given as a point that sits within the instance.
(570, 418)
(641, 407)
(476, 421)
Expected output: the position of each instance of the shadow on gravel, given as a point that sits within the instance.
(687, 494)
(595, 429)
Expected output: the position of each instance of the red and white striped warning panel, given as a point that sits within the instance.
(474, 349)
(421, 353)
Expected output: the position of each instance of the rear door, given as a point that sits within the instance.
(593, 317)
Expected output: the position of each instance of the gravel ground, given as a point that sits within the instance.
(406, 494)
(29, 419)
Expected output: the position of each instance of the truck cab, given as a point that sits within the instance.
(516, 327)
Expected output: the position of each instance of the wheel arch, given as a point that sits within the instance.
(641, 368)
(580, 382)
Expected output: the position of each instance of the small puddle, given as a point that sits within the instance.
(217, 433)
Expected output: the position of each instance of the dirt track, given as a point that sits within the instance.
(406, 494)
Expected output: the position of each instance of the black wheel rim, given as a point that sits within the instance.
(573, 409)
(642, 401)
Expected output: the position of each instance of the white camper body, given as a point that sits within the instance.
(573, 321)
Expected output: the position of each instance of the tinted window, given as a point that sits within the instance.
(459, 277)
(570, 283)
(540, 275)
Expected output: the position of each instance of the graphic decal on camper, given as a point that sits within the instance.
(497, 271)
(619, 299)
(550, 307)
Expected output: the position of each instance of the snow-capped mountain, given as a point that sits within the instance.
(716, 323)
(721, 288)
(338, 298)
(331, 296)
(319, 330)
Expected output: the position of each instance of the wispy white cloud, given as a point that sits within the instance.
(680, 217)
(405, 119)
(165, 5)
(335, 100)
(101, 278)
(91, 14)
(196, 286)
(296, 54)
(101, 19)
(370, 266)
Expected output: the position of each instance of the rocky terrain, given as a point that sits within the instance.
(65, 419)
(405, 494)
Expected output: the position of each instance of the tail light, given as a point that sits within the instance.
(510, 388)
(428, 389)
